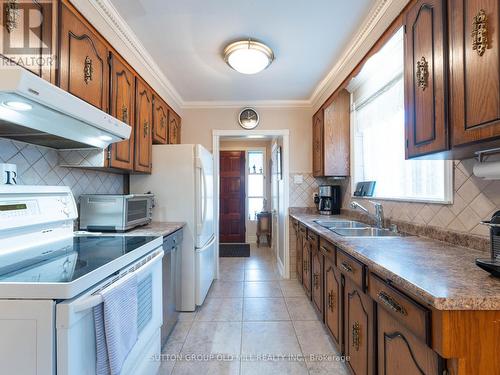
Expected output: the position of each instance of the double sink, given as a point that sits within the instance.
(350, 228)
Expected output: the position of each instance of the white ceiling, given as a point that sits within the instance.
(186, 39)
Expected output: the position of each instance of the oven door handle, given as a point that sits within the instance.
(95, 299)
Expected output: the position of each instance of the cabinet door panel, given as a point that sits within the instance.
(143, 127)
(160, 121)
(475, 72)
(84, 70)
(399, 352)
(306, 269)
(333, 297)
(300, 264)
(426, 78)
(122, 107)
(336, 135)
(174, 128)
(358, 329)
(317, 146)
(317, 280)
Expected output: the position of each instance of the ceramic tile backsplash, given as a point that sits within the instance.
(39, 166)
(474, 199)
(301, 194)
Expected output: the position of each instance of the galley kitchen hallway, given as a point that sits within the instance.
(250, 312)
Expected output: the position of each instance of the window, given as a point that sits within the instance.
(256, 183)
(378, 134)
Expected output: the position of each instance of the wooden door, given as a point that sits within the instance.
(359, 330)
(160, 121)
(232, 197)
(317, 145)
(83, 59)
(174, 128)
(337, 135)
(317, 280)
(333, 298)
(29, 36)
(298, 247)
(400, 352)
(143, 126)
(306, 266)
(426, 64)
(122, 106)
(475, 70)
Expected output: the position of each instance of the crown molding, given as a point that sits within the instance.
(249, 103)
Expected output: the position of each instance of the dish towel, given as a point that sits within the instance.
(115, 323)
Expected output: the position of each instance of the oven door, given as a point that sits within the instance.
(76, 344)
(137, 211)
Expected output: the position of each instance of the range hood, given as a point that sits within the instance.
(35, 111)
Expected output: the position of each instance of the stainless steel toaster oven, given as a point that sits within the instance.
(106, 212)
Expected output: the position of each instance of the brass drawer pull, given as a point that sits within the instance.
(331, 300)
(391, 303)
(305, 266)
(88, 70)
(125, 114)
(479, 32)
(346, 267)
(146, 129)
(356, 336)
(422, 73)
(316, 280)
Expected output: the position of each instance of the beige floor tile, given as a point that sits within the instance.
(220, 309)
(327, 367)
(180, 331)
(269, 338)
(292, 288)
(236, 274)
(226, 289)
(313, 338)
(262, 289)
(261, 275)
(207, 368)
(187, 316)
(273, 368)
(264, 309)
(301, 308)
(213, 338)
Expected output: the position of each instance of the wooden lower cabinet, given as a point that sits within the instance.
(400, 352)
(306, 265)
(317, 260)
(298, 247)
(358, 330)
(333, 302)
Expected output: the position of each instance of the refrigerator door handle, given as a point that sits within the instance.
(202, 197)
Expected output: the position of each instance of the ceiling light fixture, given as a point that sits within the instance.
(248, 56)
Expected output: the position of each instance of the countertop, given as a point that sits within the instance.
(155, 229)
(441, 275)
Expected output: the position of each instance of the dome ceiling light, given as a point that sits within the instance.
(248, 56)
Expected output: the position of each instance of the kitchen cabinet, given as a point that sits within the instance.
(475, 71)
(160, 121)
(174, 128)
(400, 352)
(359, 329)
(425, 77)
(317, 262)
(122, 106)
(83, 59)
(306, 267)
(298, 251)
(317, 147)
(333, 299)
(143, 127)
(35, 19)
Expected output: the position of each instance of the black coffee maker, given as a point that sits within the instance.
(329, 200)
(492, 264)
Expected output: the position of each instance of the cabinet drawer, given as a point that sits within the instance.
(410, 313)
(352, 268)
(327, 248)
(313, 239)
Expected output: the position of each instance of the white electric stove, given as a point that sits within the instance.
(49, 277)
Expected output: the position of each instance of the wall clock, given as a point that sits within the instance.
(248, 118)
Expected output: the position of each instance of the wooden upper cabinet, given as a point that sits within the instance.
(143, 127)
(337, 135)
(426, 66)
(174, 128)
(317, 145)
(83, 59)
(333, 298)
(160, 121)
(399, 352)
(29, 36)
(122, 106)
(475, 70)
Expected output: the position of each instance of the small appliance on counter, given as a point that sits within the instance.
(115, 213)
(329, 200)
(492, 264)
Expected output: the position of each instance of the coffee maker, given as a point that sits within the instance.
(329, 200)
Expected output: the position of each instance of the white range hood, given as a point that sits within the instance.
(35, 111)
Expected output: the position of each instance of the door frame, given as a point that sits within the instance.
(284, 268)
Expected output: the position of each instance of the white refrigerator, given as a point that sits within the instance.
(182, 181)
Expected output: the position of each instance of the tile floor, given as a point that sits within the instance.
(252, 322)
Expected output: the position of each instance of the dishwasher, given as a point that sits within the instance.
(171, 282)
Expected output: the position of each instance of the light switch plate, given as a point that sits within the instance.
(298, 179)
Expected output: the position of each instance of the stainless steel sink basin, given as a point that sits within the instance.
(365, 232)
(341, 224)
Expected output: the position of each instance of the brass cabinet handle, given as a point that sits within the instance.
(162, 123)
(391, 303)
(124, 113)
(311, 238)
(346, 267)
(146, 129)
(356, 336)
(88, 70)
(305, 266)
(422, 73)
(325, 249)
(11, 15)
(316, 280)
(479, 32)
(331, 300)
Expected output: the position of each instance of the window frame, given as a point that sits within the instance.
(247, 173)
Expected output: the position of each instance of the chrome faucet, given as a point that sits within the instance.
(379, 212)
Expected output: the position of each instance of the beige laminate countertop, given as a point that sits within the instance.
(155, 229)
(442, 275)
